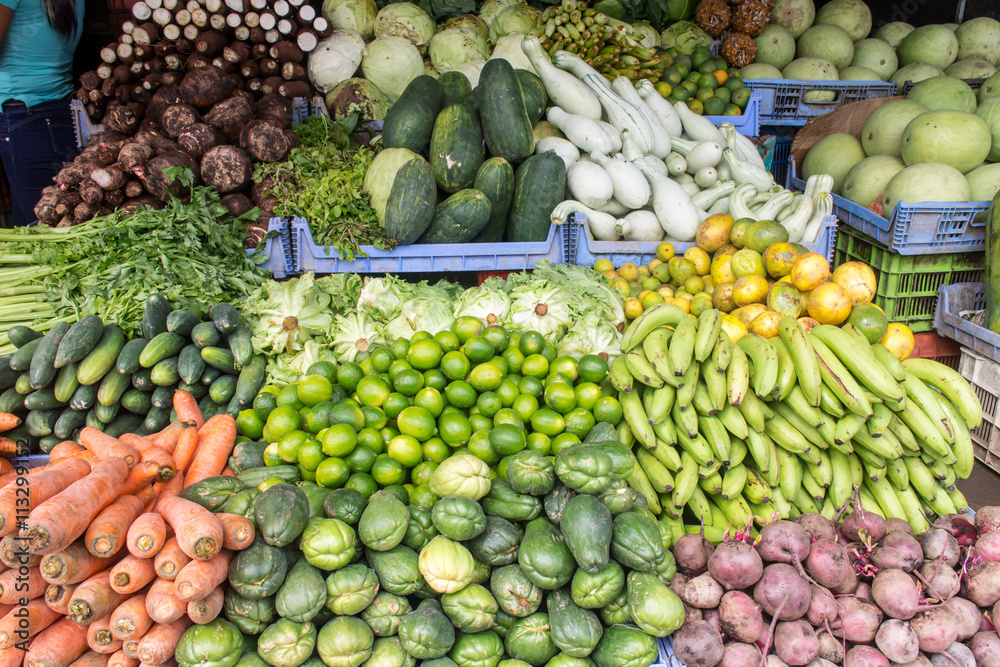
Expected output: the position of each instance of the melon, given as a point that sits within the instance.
(834, 154)
(926, 182)
(877, 55)
(915, 72)
(760, 71)
(851, 15)
(980, 38)
(884, 126)
(955, 138)
(813, 69)
(931, 44)
(829, 42)
(858, 73)
(989, 111)
(894, 32)
(866, 180)
(795, 16)
(943, 93)
(971, 68)
(984, 182)
(775, 46)
(989, 88)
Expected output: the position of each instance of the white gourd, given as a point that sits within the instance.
(561, 147)
(744, 172)
(654, 163)
(660, 139)
(663, 110)
(615, 208)
(563, 89)
(742, 146)
(641, 226)
(676, 164)
(698, 127)
(707, 197)
(720, 206)
(687, 182)
(614, 134)
(602, 225)
(706, 177)
(738, 206)
(674, 209)
(584, 132)
(770, 210)
(589, 184)
(630, 188)
(822, 209)
(704, 154)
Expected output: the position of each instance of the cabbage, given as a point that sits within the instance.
(487, 302)
(454, 46)
(491, 8)
(289, 368)
(421, 313)
(539, 305)
(590, 335)
(391, 63)
(509, 48)
(357, 96)
(356, 15)
(354, 333)
(382, 298)
(646, 34)
(467, 21)
(589, 292)
(335, 59)
(685, 37)
(405, 19)
(381, 172)
(515, 18)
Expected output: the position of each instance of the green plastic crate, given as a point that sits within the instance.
(907, 285)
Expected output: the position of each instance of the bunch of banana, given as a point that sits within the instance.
(727, 431)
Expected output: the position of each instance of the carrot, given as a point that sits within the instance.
(186, 407)
(99, 637)
(131, 574)
(186, 446)
(217, 438)
(66, 449)
(199, 578)
(92, 659)
(6, 609)
(36, 489)
(150, 452)
(162, 603)
(72, 565)
(57, 597)
(170, 560)
(237, 531)
(168, 437)
(168, 663)
(119, 659)
(158, 645)
(58, 645)
(104, 446)
(18, 584)
(9, 447)
(14, 553)
(141, 475)
(146, 535)
(12, 657)
(27, 622)
(106, 535)
(94, 599)
(10, 421)
(8, 478)
(130, 646)
(207, 609)
(6, 466)
(170, 489)
(198, 532)
(130, 620)
(54, 524)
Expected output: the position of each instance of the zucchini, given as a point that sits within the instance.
(456, 87)
(69, 421)
(112, 387)
(78, 342)
(409, 210)
(539, 184)
(126, 422)
(250, 381)
(84, 397)
(136, 401)
(20, 335)
(21, 360)
(210, 375)
(240, 345)
(103, 357)
(182, 322)
(42, 370)
(166, 344)
(533, 91)
(459, 218)
(163, 397)
(154, 316)
(66, 381)
(253, 477)
(43, 399)
(213, 492)
(504, 116)
(93, 421)
(495, 179)
(106, 413)
(190, 365)
(196, 390)
(8, 376)
(142, 379)
(156, 420)
(456, 148)
(410, 121)
(222, 390)
(128, 358)
(39, 423)
(164, 373)
(11, 401)
(23, 384)
(225, 317)
(205, 335)
(218, 358)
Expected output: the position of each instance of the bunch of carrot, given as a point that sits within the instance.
(119, 565)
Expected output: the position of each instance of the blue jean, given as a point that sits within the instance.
(34, 144)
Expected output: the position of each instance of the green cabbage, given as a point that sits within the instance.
(421, 313)
(391, 63)
(356, 15)
(454, 46)
(405, 19)
(355, 333)
(514, 19)
(289, 368)
(488, 302)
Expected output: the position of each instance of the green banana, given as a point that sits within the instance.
(640, 482)
(823, 471)
(759, 446)
(903, 434)
(712, 485)
(696, 448)
(797, 401)
(660, 402)
(841, 487)
(839, 380)
(715, 383)
(709, 327)
(662, 314)
(716, 436)
(685, 482)
(811, 434)
(733, 481)
(682, 345)
(737, 451)
(927, 399)
(879, 423)
(786, 371)
(911, 507)
(963, 448)
(752, 410)
(641, 369)
(886, 498)
(689, 384)
(738, 376)
(686, 421)
(733, 420)
(869, 502)
(889, 361)
(789, 472)
(657, 474)
(667, 455)
(723, 352)
(812, 487)
(896, 471)
(951, 384)
(757, 490)
(924, 430)
(830, 404)
(655, 348)
(806, 366)
(765, 363)
(621, 378)
(860, 361)
(637, 420)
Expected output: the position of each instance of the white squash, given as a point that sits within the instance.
(660, 139)
(663, 110)
(584, 132)
(674, 209)
(564, 89)
(698, 127)
(602, 225)
(641, 226)
(630, 188)
(561, 147)
(704, 154)
(589, 184)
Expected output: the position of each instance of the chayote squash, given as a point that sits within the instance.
(385, 612)
(480, 572)
(503, 501)
(345, 504)
(564, 660)
(666, 567)
(530, 472)
(461, 474)
(439, 662)
(515, 593)
(483, 649)
(652, 605)
(589, 468)
(389, 652)
(350, 589)
(398, 570)
(251, 616)
(281, 512)
(530, 639)
(241, 503)
(472, 609)
(286, 643)
(258, 571)
(458, 518)
(316, 495)
(603, 432)
(587, 527)
(446, 565)
(383, 523)
(218, 643)
(426, 633)
(618, 497)
(616, 611)
(251, 659)
(328, 543)
(625, 646)
(213, 492)
(555, 501)
(497, 545)
(420, 530)
(510, 662)
(503, 623)
(345, 641)
(636, 542)
(544, 556)
(575, 631)
(593, 591)
(302, 594)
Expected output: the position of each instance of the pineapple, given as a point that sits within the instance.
(739, 49)
(713, 16)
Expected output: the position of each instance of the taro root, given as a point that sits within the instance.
(122, 119)
(131, 205)
(91, 192)
(198, 138)
(113, 199)
(178, 118)
(84, 212)
(134, 155)
(275, 108)
(157, 183)
(265, 141)
(133, 188)
(237, 204)
(227, 168)
(205, 87)
(229, 116)
(109, 178)
(72, 175)
(164, 97)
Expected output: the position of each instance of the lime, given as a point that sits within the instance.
(400, 347)
(562, 441)
(424, 354)
(557, 378)
(400, 492)
(497, 335)
(592, 368)
(339, 440)
(375, 418)
(289, 445)
(608, 410)
(421, 473)
(531, 385)
(348, 376)
(508, 416)
(549, 352)
(418, 336)
(587, 394)
(579, 422)
(466, 327)
(363, 483)
(264, 403)
(478, 349)
(531, 343)
(327, 369)
(381, 358)
(416, 422)
(431, 400)
(540, 443)
(447, 340)
(318, 417)
(371, 438)
(454, 429)
(566, 366)
(525, 405)
(406, 449)
(388, 433)
(282, 420)
(408, 382)
(313, 389)
(560, 397)
(348, 412)
(508, 391)
(372, 390)
(514, 358)
(460, 394)
(479, 446)
(435, 379)
(507, 439)
(366, 366)
(488, 403)
(395, 404)
(289, 395)
(485, 377)
(455, 365)
(311, 455)
(271, 457)
(362, 458)
(436, 450)
(500, 363)
(387, 470)
(250, 424)
(422, 496)
(535, 365)
(307, 475)
(547, 421)
(332, 473)
(480, 422)
(397, 367)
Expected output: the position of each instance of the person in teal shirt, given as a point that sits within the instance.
(37, 41)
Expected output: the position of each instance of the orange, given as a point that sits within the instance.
(785, 299)
(610, 275)
(751, 288)
(621, 286)
(746, 262)
(629, 272)
(766, 324)
(733, 327)
(809, 271)
(779, 259)
(701, 260)
(899, 340)
(829, 304)
(650, 299)
(603, 264)
(633, 308)
(870, 321)
(664, 251)
(721, 76)
(808, 323)
(749, 313)
(722, 297)
(857, 279)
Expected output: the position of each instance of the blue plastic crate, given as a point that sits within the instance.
(956, 299)
(782, 100)
(431, 258)
(747, 124)
(780, 156)
(667, 658)
(30, 461)
(278, 249)
(975, 84)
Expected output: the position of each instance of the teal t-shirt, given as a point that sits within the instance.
(36, 62)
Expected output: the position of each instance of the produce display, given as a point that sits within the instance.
(736, 23)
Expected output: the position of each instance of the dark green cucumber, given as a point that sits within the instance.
(211, 409)
(205, 335)
(112, 387)
(42, 370)
(93, 421)
(136, 401)
(43, 399)
(41, 422)
(456, 87)
(69, 421)
(128, 358)
(163, 397)
(218, 358)
(209, 376)
(250, 381)
(222, 390)
(154, 316)
(142, 379)
(84, 397)
(107, 412)
(8, 376)
(253, 477)
(409, 122)
(456, 147)
(504, 116)
(190, 365)
(213, 492)
(23, 384)
(11, 401)
(21, 360)
(20, 335)
(459, 218)
(103, 357)
(225, 317)
(539, 184)
(165, 373)
(166, 344)
(409, 210)
(495, 179)
(48, 442)
(126, 422)
(240, 345)
(533, 91)
(66, 383)
(182, 322)
(78, 342)
(196, 390)
(156, 420)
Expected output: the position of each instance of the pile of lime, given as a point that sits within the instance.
(705, 83)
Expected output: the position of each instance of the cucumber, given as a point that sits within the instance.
(190, 365)
(21, 360)
(23, 384)
(222, 390)
(409, 122)
(456, 148)
(42, 370)
(409, 210)
(20, 335)
(93, 421)
(459, 218)
(126, 422)
(233, 408)
(164, 374)
(48, 442)
(128, 358)
(156, 420)
(539, 184)
(136, 401)
(107, 412)
(69, 421)
(163, 398)
(225, 317)
(209, 376)
(240, 345)
(533, 91)
(84, 397)
(205, 335)
(182, 322)
(196, 390)
(142, 379)
(166, 344)
(216, 357)
(250, 381)
(103, 357)
(11, 401)
(456, 87)
(252, 478)
(495, 179)
(154, 316)
(211, 408)
(78, 342)
(43, 399)
(66, 382)
(41, 422)
(504, 116)
(112, 387)
(8, 376)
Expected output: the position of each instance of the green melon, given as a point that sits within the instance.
(932, 44)
(955, 138)
(760, 71)
(877, 55)
(813, 69)
(943, 93)
(851, 15)
(989, 88)
(829, 42)
(928, 182)
(884, 127)
(857, 73)
(980, 38)
(971, 68)
(989, 111)
(775, 46)
(834, 154)
(915, 72)
(984, 182)
(866, 180)
(894, 32)
(794, 15)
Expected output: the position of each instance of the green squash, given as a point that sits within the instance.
(383, 523)
(593, 591)
(251, 659)
(251, 616)
(666, 568)
(426, 633)
(246, 455)
(652, 605)
(564, 660)
(616, 611)
(258, 571)
(587, 527)
(515, 593)
(286, 643)
(636, 542)
(446, 565)
(316, 495)
(530, 639)
(458, 517)
(397, 570)
(213, 492)
(472, 609)
(281, 513)
(555, 501)
(625, 646)
(346, 505)
(544, 556)
(385, 612)
(505, 502)
(530, 472)
(218, 643)
(328, 544)
(503, 623)
(420, 530)
(439, 662)
(483, 649)
(350, 589)
(480, 572)
(345, 641)
(497, 545)
(618, 497)
(575, 631)
(242, 503)
(389, 652)
(302, 594)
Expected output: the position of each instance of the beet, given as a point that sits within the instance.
(897, 641)
(781, 585)
(177, 118)
(818, 526)
(205, 87)
(736, 654)
(863, 592)
(740, 617)
(275, 108)
(795, 642)
(122, 119)
(711, 616)
(227, 168)
(736, 565)
(988, 519)
(935, 628)
(859, 620)
(968, 617)
(988, 546)
(692, 614)
(826, 563)
(896, 593)
(697, 644)
(265, 141)
(898, 550)
(237, 204)
(702, 592)
(784, 542)
(940, 581)
(982, 585)
(865, 656)
(860, 521)
(939, 544)
(196, 139)
(957, 655)
(894, 525)
(157, 183)
(229, 116)
(692, 552)
(986, 647)
(677, 582)
(961, 527)
(822, 607)
(830, 648)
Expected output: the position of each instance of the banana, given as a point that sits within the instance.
(785, 508)
(827, 510)
(733, 481)
(709, 327)
(765, 363)
(886, 498)
(662, 314)
(927, 398)
(869, 502)
(940, 470)
(878, 424)
(840, 489)
(874, 473)
(869, 457)
(719, 518)
(637, 420)
(682, 345)
(786, 370)
(962, 449)
(723, 352)
(803, 358)
(736, 510)
(839, 379)
(823, 471)
(860, 361)
(811, 434)
(696, 448)
(883, 447)
(951, 384)
(685, 482)
(914, 513)
(804, 503)
(764, 513)
(789, 472)
(857, 470)
(759, 446)
(797, 401)
(903, 434)
(896, 471)
(958, 498)
(668, 510)
(701, 401)
(924, 430)
(812, 487)
(921, 478)
(738, 376)
(641, 369)
(737, 451)
(675, 527)
(621, 378)
(689, 384)
(859, 338)
(700, 507)
(655, 348)
(830, 404)
(657, 474)
(660, 402)
(665, 431)
(785, 435)
(716, 436)
(640, 482)
(667, 455)
(771, 472)
(625, 434)
(889, 361)
(752, 410)
(715, 384)
(942, 504)
(949, 482)
(712, 485)
(756, 490)
(733, 420)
